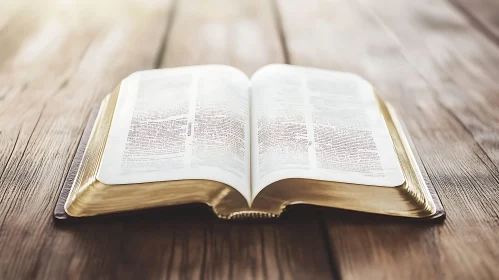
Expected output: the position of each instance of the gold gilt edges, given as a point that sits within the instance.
(86, 176)
(415, 188)
(411, 199)
(222, 201)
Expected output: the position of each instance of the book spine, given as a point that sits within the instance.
(244, 215)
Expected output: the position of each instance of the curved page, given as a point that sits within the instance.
(180, 123)
(318, 124)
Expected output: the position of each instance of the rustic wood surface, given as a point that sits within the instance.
(437, 62)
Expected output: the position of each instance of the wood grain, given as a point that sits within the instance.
(434, 61)
(60, 59)
(456, 59)
(389, 43)
(483, 14)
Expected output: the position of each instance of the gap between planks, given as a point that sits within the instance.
(489, 163)
(476, 21)
(280, 30)
(170, 20)
(332, 258)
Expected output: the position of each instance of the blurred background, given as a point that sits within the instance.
(435, 61)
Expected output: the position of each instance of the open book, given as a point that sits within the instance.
(248, 147)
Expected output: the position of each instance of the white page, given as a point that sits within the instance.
(318, 124)
(180, 123)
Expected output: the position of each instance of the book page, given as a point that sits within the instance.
(180, 123)
(318, 124)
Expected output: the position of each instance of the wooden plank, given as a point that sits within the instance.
(455, 58)
(349, 36)
(65, 59)
(483, 14)
(242, 34)
(57, 59)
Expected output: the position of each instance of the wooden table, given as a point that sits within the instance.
(436, 61)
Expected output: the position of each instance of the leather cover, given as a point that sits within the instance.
(59, 212)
